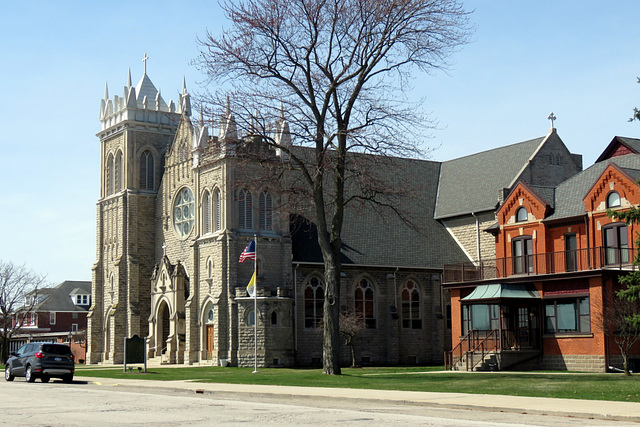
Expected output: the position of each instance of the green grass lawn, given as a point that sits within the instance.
(562, 385)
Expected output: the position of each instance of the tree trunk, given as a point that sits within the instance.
(625, 363)
(4, 348)
(331, 338)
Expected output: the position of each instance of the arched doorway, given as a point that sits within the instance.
(164, 323)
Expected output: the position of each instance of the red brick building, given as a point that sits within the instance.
(541, 303)
(59, 315)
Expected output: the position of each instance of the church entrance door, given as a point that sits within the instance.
(164, 318)
(209, 342)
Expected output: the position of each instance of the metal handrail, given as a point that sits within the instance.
(543, 263)
(468, 345)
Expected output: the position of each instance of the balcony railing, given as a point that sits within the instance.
(538, 264)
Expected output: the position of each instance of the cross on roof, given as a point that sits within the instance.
(145, 62)
(551, 117)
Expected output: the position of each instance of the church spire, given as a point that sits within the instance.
(129, 78)
(228, 130)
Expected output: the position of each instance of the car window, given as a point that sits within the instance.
(55, 349)
(23, 349)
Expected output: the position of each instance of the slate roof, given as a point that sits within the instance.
(632, 144)
(570, 194)
(374, 239)
(547, 193)
(59, 297)
(471, 183)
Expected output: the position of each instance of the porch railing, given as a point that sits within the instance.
(544, 263)
(475, 342)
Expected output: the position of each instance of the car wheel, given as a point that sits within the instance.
(45, 379)
(28, 375)
(7, 373)
(67, 378)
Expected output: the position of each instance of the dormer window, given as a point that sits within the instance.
(522, 215)
(80, 299)
(613, 200)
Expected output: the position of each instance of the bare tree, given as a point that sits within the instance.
(617, 321)
(351, 324)
(340, 69)
(15, 283)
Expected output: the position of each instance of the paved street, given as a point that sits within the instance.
(98, 402)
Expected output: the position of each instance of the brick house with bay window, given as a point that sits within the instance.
(541, 303)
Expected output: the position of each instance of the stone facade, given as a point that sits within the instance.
(177, 208)
(571, 362)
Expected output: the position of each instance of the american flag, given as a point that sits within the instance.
(249, 252)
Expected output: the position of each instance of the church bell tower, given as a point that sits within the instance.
(136, 130)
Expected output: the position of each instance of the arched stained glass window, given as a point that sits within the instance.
(411, 318)
(313, 303)
(365, 302)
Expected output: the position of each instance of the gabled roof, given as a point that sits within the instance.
(570, 194)
(620, 146)
(59, 297)
(471, 183)
(378, 237)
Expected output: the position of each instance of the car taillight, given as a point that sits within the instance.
(39, 355)
(72, 357)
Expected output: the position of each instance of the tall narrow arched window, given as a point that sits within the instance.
(147, 171)
(110, 174)
(217, 210)
(245, 210)
(117, 172)
(206, 213)
(365, 302)
(313, 303)
(266, 211)
(411, 318)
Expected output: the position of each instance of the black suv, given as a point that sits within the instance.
(41, 360)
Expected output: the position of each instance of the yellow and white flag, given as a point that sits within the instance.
(251, 287)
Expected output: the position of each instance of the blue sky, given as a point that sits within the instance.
(526, 59)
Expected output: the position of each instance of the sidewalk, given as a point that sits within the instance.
(599, 409)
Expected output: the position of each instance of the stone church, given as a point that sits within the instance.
(177, 207)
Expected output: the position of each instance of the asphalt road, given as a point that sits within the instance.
(94, 404)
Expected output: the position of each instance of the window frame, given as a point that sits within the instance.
(411, 307)
(519, 214)
(582, 315)
(180, 202)
(523, 263)
(265, 204)
(245, 209)
(147, 171)
(314, 303)
(365, 305)
(206, 212)
(609, 203)
(617, 251)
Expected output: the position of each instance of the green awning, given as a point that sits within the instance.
(500, 290)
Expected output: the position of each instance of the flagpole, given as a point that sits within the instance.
(255, 308)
